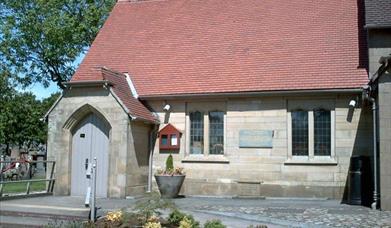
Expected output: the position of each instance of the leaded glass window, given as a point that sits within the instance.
(216, 132)
(300, 133)
(322, 133)
(196, 133)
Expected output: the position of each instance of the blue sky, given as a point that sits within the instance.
(41, 92)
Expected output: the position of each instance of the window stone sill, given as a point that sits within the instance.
(205, 159)
(314, 161)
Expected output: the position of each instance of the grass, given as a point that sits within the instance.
(21, 187)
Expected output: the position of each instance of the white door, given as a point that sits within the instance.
(90, 139)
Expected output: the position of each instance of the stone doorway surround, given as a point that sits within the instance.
(74, 105)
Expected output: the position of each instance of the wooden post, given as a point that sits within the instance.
(1, 190)
(28, 188)
(51, 182)
(1, 167)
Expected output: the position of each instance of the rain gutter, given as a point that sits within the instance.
(249, 94)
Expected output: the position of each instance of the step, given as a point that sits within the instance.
(39, 218)
(51, 216)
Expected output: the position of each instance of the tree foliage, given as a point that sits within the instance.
(21, 117)
(40, 40)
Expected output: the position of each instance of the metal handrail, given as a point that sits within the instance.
(23, 181)
(50, 180)
(26, 161)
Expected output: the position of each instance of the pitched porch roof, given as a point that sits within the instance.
(122, 92)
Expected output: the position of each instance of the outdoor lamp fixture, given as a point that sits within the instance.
(166, 107)
(352, 103)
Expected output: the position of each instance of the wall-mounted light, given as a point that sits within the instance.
(166, 107)
(352, 106)
(352, 103)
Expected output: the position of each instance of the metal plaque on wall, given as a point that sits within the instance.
(256, 138)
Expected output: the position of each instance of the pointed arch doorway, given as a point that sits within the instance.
(90, 138)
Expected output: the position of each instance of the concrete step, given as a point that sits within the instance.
(32, 219)
(50, 216)
(12, 221)
(14, 216)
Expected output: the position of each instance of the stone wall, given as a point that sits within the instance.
(384, 100)
(138, 156)
(379, 44)
(265, 171)
(73, 107)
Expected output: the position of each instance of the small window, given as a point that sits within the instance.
(322, 133)
(300, 133)
(164, 140)
(196, 133)
(216, 132)
(174, 140)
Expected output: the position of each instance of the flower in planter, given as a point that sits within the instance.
(160, 171)
(170, 170)
(170, 180)
(179, 171)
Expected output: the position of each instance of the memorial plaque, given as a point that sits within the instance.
(256, 138)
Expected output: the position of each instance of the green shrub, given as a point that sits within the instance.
(215, 223)
(151, 204)
(194, 223)
(176, 217)
(169, 163)
(186, 223)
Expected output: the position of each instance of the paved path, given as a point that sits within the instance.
(236, 213)
(291, 212)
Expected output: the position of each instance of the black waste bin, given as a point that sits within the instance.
(359, 183)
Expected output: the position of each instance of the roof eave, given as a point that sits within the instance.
(140, 119)
(131, 116)
(252, 93)
(376, 26)
(87, 83)
(45, 117)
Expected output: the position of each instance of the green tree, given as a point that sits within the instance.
(6, 94)
(20, 121)
(21, 118)
(40, 40)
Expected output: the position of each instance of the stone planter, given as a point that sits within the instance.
(169, 186)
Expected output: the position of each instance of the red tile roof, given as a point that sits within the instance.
(122, 91)
(213, 46)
